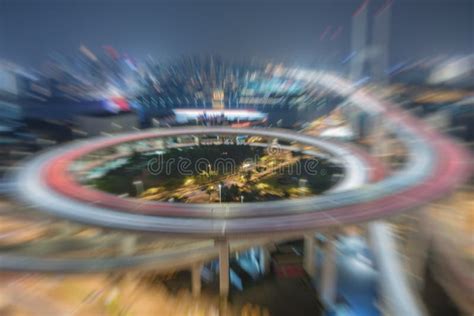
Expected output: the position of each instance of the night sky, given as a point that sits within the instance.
(288, 31)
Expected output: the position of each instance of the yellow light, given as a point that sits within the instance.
(189, 181)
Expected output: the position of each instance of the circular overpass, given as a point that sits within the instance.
(47, 183)
(435, 166)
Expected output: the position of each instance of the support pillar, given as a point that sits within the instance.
(223, 247)
(264, 260)
(309, 264)
(196, 270)
(224, 277)
(329, 274)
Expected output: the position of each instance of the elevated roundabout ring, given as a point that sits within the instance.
(46, 183)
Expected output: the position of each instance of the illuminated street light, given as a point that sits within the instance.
(220, 192)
